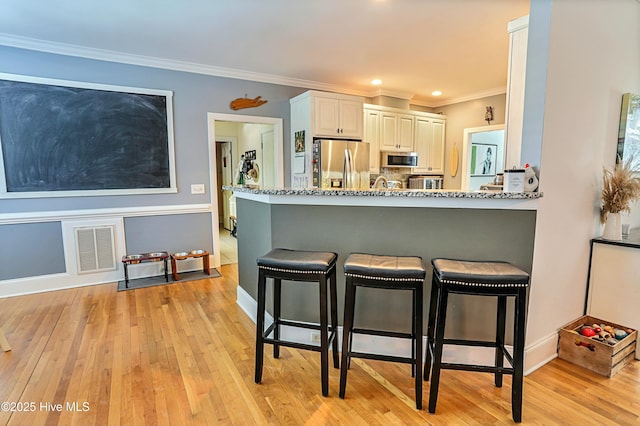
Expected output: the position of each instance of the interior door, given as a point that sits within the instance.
(227, 179)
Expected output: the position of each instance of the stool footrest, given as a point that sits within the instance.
(476, 368)
(382, 333)
(463, 342)
(379, 357)
(297, 345)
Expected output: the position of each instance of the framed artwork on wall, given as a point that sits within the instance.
(483, 159)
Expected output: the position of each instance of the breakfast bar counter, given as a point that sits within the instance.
(482, 225)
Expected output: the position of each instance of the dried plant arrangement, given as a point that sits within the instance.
(621, 188)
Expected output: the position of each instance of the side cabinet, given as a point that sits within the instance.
(614, 282)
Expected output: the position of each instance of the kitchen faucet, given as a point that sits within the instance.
(385, 182)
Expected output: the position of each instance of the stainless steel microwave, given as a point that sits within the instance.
(398, 159)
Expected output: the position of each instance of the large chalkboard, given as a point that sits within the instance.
(82, 138)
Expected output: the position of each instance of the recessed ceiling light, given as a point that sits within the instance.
(436, 93)
(376, 82)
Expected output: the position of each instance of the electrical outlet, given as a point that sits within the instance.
(197, 188)
(315, 337)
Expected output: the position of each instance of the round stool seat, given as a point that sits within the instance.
(297, 261)
(387, 268)
(479, 273)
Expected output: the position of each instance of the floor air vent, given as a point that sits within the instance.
(95, 249)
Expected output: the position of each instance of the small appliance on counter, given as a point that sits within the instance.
(340, 164)
(426, 182)
(514, 180)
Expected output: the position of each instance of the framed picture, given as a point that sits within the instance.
(629, 131)
(299, 141)
(483, 159)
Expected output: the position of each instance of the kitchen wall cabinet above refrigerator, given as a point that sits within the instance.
(316, 114)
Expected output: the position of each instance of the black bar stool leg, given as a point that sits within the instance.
(324, 338)
(431, 327)
(414, 338)
(500, 331)
(260, 326)
(417, 341)
(334, 319)
(437, 355)
(347, 326)
(518, 355)
(277, 303)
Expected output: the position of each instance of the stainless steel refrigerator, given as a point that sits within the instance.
(340, 164)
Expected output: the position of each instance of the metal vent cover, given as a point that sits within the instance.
(95, 249)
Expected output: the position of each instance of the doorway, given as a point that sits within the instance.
(231, 136)
(482, 155)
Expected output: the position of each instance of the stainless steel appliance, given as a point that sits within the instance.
(398, 159)
(426, 182)
(340, 164)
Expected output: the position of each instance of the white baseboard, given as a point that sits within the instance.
(535, 356)
(43, 283)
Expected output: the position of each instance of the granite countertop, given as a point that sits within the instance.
(401, 193)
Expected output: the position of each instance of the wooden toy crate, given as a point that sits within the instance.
(596, 356)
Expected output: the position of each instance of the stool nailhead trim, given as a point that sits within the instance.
(371, 277)
(471, 284)
(294, 271)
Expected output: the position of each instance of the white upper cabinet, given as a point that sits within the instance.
(393, 129)
(335, 117)
(372, 136)
(429, 144)
(396, 131)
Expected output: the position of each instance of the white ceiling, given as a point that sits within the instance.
(414, 46)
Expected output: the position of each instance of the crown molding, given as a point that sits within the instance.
(153, 62)
(471, 97)
(150, 61)
(391, 93)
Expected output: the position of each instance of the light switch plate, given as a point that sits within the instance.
(197, 188)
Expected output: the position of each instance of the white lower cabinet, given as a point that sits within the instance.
(614, 284)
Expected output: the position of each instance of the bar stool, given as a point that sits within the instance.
(499, 279)
(387, 272)
(295, 265)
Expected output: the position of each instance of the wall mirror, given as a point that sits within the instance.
(629, 131)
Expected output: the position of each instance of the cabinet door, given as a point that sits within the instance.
(436, 151)
(405, 132)
(350, 122)
(429, 144)
(327, 116)
(389, 131)
(372, 136)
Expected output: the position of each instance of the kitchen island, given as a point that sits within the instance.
(482, 225)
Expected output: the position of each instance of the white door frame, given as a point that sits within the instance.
(213, 178)
(466, 150)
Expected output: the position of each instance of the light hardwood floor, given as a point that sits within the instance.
(182, 354)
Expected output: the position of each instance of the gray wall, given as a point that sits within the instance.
(31, 249)
(194, 95)
(172, 234)
(427, 232)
